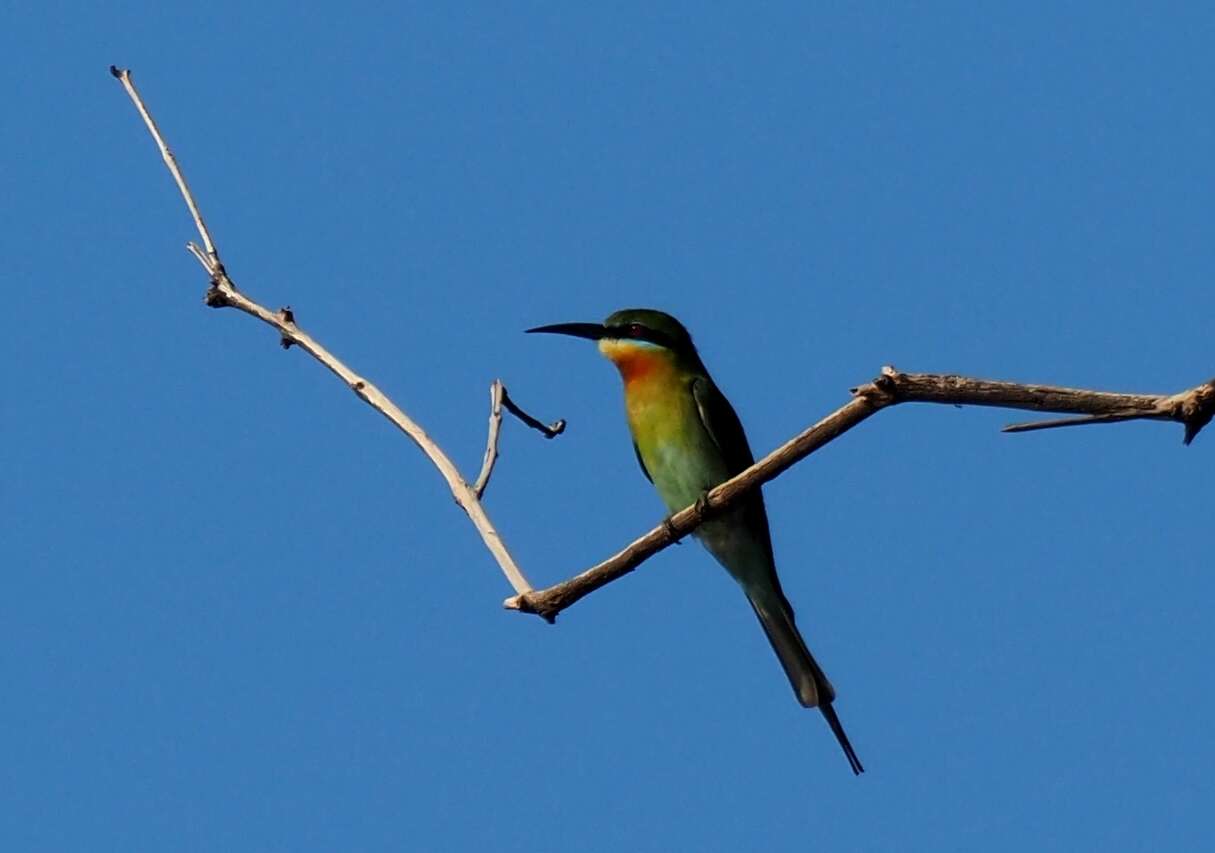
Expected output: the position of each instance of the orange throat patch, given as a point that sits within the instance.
(636, 362)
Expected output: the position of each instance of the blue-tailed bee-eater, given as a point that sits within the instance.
(688, 440)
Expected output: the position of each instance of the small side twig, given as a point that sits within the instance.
(499, 398)
(496, 390)
(547, 430)
(1032, 426)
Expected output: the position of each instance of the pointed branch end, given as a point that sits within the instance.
(1194, 426)
(524, 603)
(1033, 426)
(1197, 409)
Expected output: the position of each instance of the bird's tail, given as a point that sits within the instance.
(807, 677)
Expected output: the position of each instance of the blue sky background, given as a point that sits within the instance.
(240, 612)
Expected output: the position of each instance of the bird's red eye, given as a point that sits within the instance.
(635, 330)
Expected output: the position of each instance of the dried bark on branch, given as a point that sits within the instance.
(1193, 408)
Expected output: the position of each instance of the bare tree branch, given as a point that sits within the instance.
(224, 293)
(124, 77)
(1193, 407)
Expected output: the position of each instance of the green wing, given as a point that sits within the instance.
(722, 424)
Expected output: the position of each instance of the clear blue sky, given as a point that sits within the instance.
(240, 612)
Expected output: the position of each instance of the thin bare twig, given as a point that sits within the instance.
(224, 293)
(124, 77)
(496, 390)
(1083, 420)
(1193, 407)
(547, 430)
(211, 266)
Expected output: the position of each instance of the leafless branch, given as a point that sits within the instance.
(224, 293)
(1193, 408)
(124, 77)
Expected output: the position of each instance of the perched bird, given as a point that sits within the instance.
(688, 440)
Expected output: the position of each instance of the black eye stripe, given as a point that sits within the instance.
(637, 332)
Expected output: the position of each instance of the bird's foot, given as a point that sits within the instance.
(702, 512)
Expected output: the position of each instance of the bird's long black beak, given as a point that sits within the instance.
(591, 331)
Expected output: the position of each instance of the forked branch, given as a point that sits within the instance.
(224, 293)
(1193, 408)
(499, 398)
